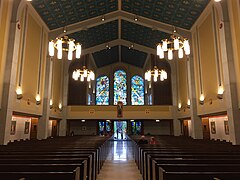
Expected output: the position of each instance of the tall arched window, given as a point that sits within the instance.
(102, 90)
(137, 90)
(120, 87)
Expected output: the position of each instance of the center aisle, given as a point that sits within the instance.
(120, 163)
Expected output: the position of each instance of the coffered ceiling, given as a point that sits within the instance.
(156, 19)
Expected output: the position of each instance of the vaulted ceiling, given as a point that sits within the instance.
(156, 19)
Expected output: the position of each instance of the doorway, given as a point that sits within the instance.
(120, 130)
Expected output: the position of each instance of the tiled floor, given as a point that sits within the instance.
(120, 164)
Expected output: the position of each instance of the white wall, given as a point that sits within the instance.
(220, 130)
(161, 128)
(20, 126)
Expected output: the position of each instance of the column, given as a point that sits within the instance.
(229, 75)
(174, 109)
(9, 85)
(196, 122)
(43, 121)
(63, 122)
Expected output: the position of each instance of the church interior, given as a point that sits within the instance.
(90, 79)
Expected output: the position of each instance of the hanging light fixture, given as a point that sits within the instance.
(155, 73)
(174, 43)
(64, 44)
(83, 73)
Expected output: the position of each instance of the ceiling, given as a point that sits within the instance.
(121, 29)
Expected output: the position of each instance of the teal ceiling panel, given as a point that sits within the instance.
(60, 13)
(106, 56)
(133, 57)
(97, 35)
(142, 35)
(179, 13)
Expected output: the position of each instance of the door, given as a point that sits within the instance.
(205, 127)
(33, 132)
(54, 128)
(185, 128)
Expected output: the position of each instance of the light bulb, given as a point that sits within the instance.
(59, 48)
(38, 97)
(170, 54)
(19, 90)
(176, 43)
(180, 53)
(164, 45)
(78, 51)
(51, 48)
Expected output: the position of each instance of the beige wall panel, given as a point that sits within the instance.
(31, 59)
(196, 64)
(4, 25)
(182, 79)
(21, 21)
(3, 29)
(235, 11)
(208, 62)
(110, 112)
(57, 78)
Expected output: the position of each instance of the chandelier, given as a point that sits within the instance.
(64, 44)
(155, 73)
(173, 43)
(83, 73)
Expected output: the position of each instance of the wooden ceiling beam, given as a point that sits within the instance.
(116, 15)
(118, 42)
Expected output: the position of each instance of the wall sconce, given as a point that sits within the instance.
(60, 107)
(188, 103)
(83, 120)
(201, 101)
(132, 120)
(220, 92)
(38, 99)
(179, 106)
(51, 104)
(157, 120)
(19, 93)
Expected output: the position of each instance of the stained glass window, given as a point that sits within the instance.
(102, 90)
(120, 87)
(101, 127)
(137, 94)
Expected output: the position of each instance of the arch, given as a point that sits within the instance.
(120, 87)
(137, 90)
(102, 90)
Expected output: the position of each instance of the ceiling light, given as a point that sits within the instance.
(135, 18)
(83, 73)
(83, 120)
(103, 18)
(217, 0)
(162, 74)
(157, 120)
(174, 43)
(108, 46)
(132, 120)
(64, 44)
